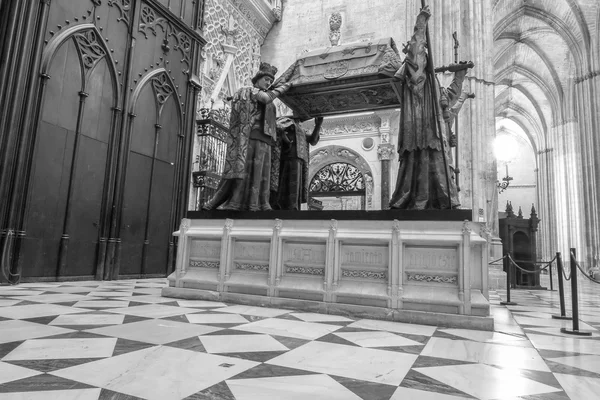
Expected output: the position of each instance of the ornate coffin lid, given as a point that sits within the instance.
(343, 79)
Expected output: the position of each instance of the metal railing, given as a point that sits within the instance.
(210, 151)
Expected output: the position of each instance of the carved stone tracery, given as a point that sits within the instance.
(353, 273)
(124, 7)
(90, 50)
(150, 21)
(432, 278)
(241, 28)
(162, 88)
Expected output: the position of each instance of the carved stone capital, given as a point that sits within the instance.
(386, 151)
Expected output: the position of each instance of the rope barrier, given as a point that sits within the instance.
(582, 271)
(538, 262)
(495, 261)
(567, 276)
(525, 270)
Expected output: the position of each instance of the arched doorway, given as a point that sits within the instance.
(340, 179)
(338, 186)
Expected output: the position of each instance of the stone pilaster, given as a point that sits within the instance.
(385, 153)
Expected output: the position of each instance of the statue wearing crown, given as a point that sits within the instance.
(248, 176)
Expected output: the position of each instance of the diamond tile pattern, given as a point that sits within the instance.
(121, 340)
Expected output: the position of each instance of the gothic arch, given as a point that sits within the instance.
(522, 38)
(57, 41)
(580, 55)
(536, 139)
(324, 156)
(163, 75)
(557, 111)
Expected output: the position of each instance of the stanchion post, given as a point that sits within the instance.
(561, 291)
(550, 274)
(508, 266)
(575, 300)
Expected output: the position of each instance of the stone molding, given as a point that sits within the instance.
(586, 77)
(353, 273)
(204, 264)
(432, 278)
(251, 267)
(304, 270)
(353, 125)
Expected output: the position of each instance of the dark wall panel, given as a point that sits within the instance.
(133, 221)
(52, 164)
(159, 232)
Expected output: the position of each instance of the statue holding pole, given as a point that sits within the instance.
(424, 176)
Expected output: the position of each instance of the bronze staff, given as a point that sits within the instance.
(456, 154)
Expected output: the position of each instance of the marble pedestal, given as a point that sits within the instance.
(431, 272)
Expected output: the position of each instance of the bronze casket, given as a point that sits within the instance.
(344, 79)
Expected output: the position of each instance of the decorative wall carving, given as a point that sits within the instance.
(304, 270)
(161, 86)
(150, 20)
(250, 34)
(335, 23)
(354, 273)
(337, 177)
(431, 278)
(332, 154)
(90, 51)
(351, 128)
(251, 267)
(349, 100)
(124, 7)
(386, 151)
(204, 264)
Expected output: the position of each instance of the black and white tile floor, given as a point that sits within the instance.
(122, 340)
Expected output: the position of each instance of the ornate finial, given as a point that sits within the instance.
(278, 224)
(509, 210)
(335, 23)
(277, 13)
(485, 231)
(334, 225)
(520, 213)
(466, 227)
(228, 224)
(396, 226)
(185, 225)
(533, 212)
(165, 46)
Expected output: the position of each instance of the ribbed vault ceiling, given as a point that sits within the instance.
(541, 48)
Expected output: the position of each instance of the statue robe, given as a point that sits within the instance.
(246, 180)
(424, 180)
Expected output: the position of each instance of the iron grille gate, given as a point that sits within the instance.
(337, 180)
(211, 148)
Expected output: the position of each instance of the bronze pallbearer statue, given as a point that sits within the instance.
(246, 181)
(424, 176)
(293, 172)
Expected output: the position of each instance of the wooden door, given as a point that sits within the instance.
(110, 161)
(150, 179)
(68, 178)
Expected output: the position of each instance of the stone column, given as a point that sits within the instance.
(385, 153)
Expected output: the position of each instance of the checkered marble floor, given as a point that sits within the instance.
(122, 340)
